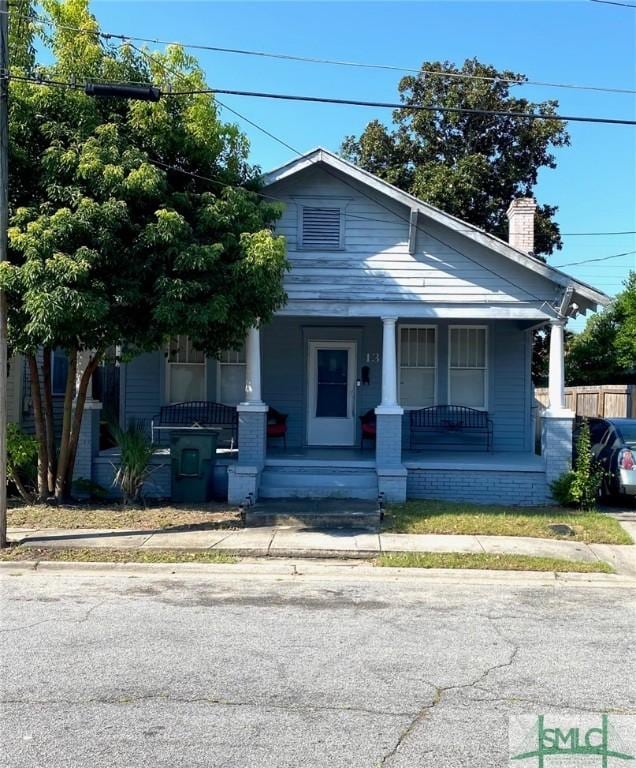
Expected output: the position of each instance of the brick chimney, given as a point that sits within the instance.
(520, 215)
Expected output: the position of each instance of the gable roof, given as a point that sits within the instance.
(587, 293)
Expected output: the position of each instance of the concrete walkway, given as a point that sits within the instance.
(294, 542)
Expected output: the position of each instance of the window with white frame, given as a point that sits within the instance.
(418, 365)
(186, 371)
(468, 366)
(231, 377)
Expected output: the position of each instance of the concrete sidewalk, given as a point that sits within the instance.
(294, 542)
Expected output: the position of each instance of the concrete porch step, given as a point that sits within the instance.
(325, 514)
(281, 483)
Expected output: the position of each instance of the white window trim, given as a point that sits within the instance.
(486, 368)
(219, 366)
(326, 202)
(399, 365)
(167, 377)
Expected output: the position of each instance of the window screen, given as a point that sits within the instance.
(467, 367)
(186, 371)
(418, 361)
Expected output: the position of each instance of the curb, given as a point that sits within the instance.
(328, 569)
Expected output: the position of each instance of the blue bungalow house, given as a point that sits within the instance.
(393, 307)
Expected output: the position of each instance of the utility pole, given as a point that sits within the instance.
(4, 223)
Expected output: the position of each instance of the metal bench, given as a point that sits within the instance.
(450, 420)
(197, 414)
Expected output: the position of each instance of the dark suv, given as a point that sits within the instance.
(614, 445)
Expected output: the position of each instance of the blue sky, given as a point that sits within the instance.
(578, 42)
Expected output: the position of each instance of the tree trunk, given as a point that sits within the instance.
(77, 418)
(48, 420)
(67, 418)
(40, 429)
(26, 496)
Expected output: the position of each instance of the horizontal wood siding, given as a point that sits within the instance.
(509, 387)
(142, 385)
(284, 366)
(376, 263)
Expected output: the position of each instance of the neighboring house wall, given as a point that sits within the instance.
(14, 389)
(28, 420)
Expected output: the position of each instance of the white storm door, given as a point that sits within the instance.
(330, 396)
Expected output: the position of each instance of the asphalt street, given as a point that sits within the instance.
(332, 668)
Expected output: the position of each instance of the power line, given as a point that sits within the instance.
(415, 107)
(288, 146)
(318, 60)
(597, 234)
(600, 258)
(614, 2)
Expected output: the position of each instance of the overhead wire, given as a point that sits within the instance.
(288, 146)
(319, 60)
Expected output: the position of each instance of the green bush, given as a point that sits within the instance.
(22, 458)
(561, 489)
(134, 463)
(580, 486)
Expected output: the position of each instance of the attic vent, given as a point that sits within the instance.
(321, 228)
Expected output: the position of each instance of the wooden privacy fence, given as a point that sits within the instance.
(608, 400)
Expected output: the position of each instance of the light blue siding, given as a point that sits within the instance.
(376, 263)
(284, 375)
(142, 388)
(284, 366)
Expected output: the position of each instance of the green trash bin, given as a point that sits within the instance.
(192, 458)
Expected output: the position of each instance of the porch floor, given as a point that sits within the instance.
(468, 460)
(354, 456)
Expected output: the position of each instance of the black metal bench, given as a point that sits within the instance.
(197, 414)
(450, 420)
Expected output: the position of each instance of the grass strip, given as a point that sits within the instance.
(18, 553)
(209, 516)
(474, 519)
(488, 562)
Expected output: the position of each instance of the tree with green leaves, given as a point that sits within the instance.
(605, 351)
(469, 165)
(130, 221)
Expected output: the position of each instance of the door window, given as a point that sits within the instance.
(331, 399)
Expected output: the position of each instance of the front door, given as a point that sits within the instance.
(330, 401)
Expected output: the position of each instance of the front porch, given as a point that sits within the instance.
(353, 473)
(326, 375)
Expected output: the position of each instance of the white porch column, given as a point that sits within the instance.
(88, 442)
(556, 432)
(244, 476)
(389, 364)
(253, 367)
(556, 374)
(391, 472)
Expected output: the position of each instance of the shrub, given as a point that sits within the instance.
(136, 451)
(561, 489)
(580, 486)
(22, 456)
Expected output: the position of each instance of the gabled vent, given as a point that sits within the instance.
(321, 228)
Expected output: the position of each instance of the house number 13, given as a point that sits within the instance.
(373, 357)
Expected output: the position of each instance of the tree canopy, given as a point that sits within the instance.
(469, 165)
(130, 221)
(605, 351)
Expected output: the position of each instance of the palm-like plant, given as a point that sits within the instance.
(134, 464)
